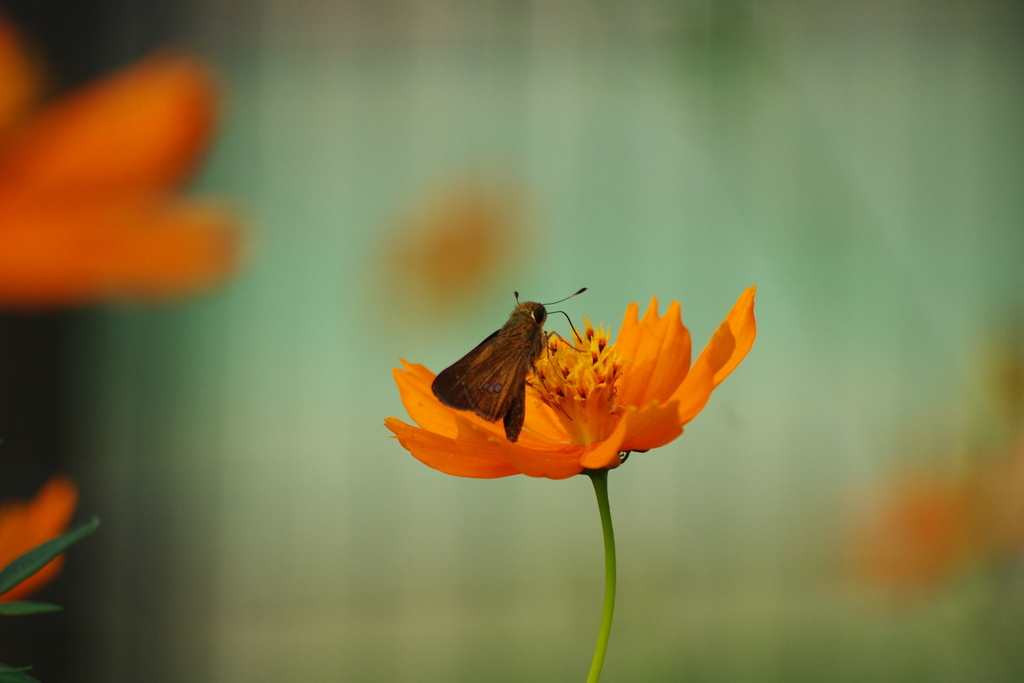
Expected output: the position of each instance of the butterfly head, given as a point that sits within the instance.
(533, 311)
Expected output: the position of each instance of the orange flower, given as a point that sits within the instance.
(24, 526)
(87, 185)
(923, 535)
(586, 403)
(933, 528)
(456, 243)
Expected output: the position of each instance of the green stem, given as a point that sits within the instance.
(600, 479)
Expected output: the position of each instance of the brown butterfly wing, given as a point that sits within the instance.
(516, 414)
(488, 379)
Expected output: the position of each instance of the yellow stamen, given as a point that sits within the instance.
(578, 381)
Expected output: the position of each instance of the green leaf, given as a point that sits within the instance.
(9, 674)
(35, 559)
(15, 609)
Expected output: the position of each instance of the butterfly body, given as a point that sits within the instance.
(490, 380)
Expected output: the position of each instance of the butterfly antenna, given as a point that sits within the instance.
(517, 297)
(565, 299)
(578, 337)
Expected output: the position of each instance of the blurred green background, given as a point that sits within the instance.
(861, 162)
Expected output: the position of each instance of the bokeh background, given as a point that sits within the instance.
(403, 166)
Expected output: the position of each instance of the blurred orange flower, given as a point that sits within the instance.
(922, 535)
(88, 203)
(24, 526)
(456, 243)
(587, 403)
(932, 528)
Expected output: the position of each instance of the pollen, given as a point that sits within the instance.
(577, 380)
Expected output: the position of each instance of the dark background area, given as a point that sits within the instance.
(76, 42)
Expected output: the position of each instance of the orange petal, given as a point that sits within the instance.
(13, 521)
(51, 509)
(419, 400)
(728, 346)
(638, 430)
(742, 329)
(430, 414)
(651, 427)
(658, 348)
(629, 335)
(559, 464)
(444, 454)
(54, 254)
(694, 392)
(19, 79)
(605, 454)
(542, 421)
(24, 527)
(142, 128)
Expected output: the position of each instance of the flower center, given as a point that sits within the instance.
(578, 382)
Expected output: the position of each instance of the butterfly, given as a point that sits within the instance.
(490, 380)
